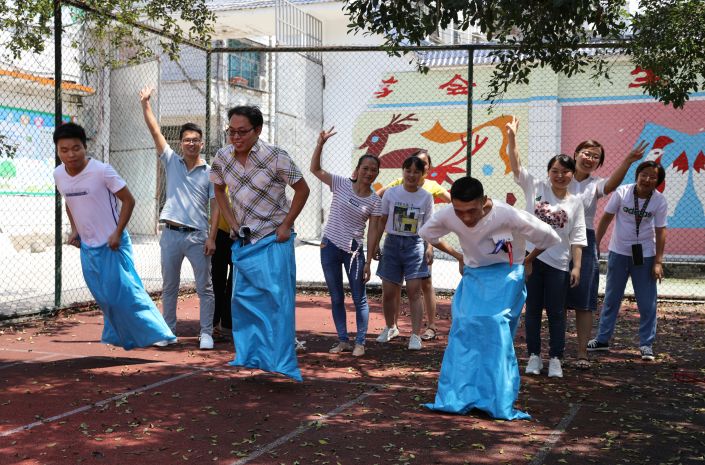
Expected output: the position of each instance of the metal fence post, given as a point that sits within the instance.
(471, 60)
(208, 105)
(58, 110)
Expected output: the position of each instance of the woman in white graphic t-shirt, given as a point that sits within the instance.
(550, 276)
(405, 257)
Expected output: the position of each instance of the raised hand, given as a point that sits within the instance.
(325, 135)
(638, 152)
(146, 93)
(512, 126)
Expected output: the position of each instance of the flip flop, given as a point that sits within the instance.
(429, 334)
(582, 364)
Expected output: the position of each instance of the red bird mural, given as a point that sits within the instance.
(676, 173)
(377, 140)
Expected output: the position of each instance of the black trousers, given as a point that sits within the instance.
(222, 276)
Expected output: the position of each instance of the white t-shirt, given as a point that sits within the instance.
(621, 204)
(589, 190)
(90, 195)
(501, 222)
(566, 216)
(407, 211)
(349, 213)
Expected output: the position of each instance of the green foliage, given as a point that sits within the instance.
(7, 149)
(669, 40)
(666, 37)
(30, 23)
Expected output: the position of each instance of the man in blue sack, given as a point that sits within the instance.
(479, 368)
(261, 220)
(91, 190)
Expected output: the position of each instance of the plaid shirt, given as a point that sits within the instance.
(257, 189)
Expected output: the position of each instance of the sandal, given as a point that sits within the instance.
(582, 364)
(429, 334)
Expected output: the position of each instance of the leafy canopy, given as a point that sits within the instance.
(664, 36)
(27, 27)
(30, 23)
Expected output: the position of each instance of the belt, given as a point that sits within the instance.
(179, 228)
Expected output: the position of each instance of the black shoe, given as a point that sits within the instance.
(594, 345)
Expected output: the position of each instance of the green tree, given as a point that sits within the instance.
(7, 149)
(664, 36)
(30, 23)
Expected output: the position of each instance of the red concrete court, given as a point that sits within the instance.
(67, 399)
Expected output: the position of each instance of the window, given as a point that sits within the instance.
(244, 68)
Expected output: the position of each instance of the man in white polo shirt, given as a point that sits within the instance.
(185, 218)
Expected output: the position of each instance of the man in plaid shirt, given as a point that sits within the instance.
(260, 216)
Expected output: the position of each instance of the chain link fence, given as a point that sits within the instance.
(378, 104)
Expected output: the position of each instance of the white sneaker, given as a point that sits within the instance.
(340, 347)
(358, 351)
(388, 334)
(535, 365)
(415, 342)
(206, 342)
(165, 343)
(554, 368)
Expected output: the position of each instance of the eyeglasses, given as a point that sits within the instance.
(190, 141)
(590, 155)
(237, 132)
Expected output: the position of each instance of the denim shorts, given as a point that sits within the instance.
(403, 258)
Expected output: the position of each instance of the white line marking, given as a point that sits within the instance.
(555, 435)
(97, 404)
(303, 428)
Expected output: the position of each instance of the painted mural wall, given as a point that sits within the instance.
(409, 110)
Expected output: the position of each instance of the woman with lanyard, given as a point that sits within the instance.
(354, 202)
(439, 194)
(636, 250)
(589, 156)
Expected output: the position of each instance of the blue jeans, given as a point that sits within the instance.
(547, 287)
(619, 268)
(333, 260)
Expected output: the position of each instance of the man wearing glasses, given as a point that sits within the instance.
(261, 220)
(185, 218)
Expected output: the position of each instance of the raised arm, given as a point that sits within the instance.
(316, 169)
(512, 151)
(151, 120)
(618, 174)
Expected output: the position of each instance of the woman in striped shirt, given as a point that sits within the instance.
(354, 202)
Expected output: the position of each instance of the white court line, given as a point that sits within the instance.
(97, 404)
(555, 435)
(9, 365)
(278, 442)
